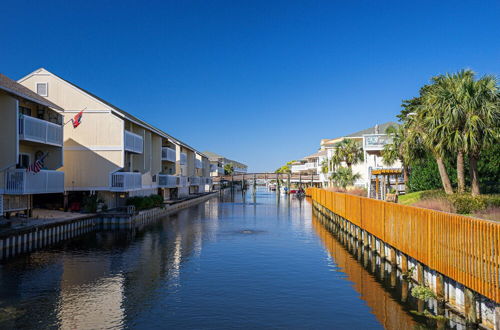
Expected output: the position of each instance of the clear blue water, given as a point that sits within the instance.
(253, 263)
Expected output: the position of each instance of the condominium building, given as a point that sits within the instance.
(116, 153)
(31, 145)
(217, 163)
(372, 140)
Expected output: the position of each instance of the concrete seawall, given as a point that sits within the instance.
(451, 297)
(25, 240)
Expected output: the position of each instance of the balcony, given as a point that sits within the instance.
(134, 142)
(376, 141)
(183, 181)
(194, 181)
(20, 182)
(168, 154)
(41, 131)
(183, 160)
(126, 181)
(205, 181)
(168, 181)
(198, 163)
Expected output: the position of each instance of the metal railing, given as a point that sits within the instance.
(182, 181)
(167, 181)
(183, 160)
(376, 141)
(134, 142)
(38, 130)
(462, 248)
(20, 182)
(125, 181)
(194, 181)
(168, 154)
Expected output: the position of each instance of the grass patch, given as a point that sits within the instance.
(417, 196)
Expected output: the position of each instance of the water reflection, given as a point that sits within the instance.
(239, 260)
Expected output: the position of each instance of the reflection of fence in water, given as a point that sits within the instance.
(389, 312)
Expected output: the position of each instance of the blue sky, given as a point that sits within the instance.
(257, 81)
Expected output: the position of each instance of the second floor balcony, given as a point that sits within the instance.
(21, 182)
(168, 181)
(183, 160)
(194, 181)
(134, 142)
(126, 181)
(168, 154)
(376, 141)
(41, 131)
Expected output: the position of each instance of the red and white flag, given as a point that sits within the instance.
(77, 120)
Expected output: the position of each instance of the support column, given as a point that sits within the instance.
(470, 307)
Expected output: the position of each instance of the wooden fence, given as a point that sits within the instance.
(462, 248)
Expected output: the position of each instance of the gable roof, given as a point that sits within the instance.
(118, 111)
(215, 157)
(13, 87)
(371, 130)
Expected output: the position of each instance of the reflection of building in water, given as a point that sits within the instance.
(90, 297)
(389, 312)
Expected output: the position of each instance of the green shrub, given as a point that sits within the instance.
(467, 204)
(422, 292)
(90, 203)
(145, 202)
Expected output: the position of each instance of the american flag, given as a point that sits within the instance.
(37, 165)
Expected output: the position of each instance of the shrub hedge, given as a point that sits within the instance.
(145, 202)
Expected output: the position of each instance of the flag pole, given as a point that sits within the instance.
(71, 120)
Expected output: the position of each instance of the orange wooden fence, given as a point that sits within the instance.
(462, 248)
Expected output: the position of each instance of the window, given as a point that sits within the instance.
(24, 161)
(25, 111)
(42, 89)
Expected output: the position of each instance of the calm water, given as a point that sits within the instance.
(259, 263)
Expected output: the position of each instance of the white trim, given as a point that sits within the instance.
(94, 148)
(87, 111)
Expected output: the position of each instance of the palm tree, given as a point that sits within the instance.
(350, 152)
(482, 124)
(324, 166)
(228, 169)
(448, 100)
(398, 149)
(467, 111)
(344, 177)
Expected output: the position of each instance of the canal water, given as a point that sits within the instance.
(259, 261)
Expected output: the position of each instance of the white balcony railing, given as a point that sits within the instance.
(376, 141)
(125, 181)
(183, 160)
(134, 142)
(198, 163)
(194, 181)
(168, 154)
(168, 181)
(38, 130)
(182, 181)
(19, 182)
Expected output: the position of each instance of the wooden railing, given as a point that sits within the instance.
(462, 248)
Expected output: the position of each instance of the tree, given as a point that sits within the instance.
(349, 151)
(228, 169)
(344, 177)
(464, 113)
(287, 168)
(482, 125)
(398, 149)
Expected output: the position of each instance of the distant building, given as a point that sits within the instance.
(372, 140)
(217, 163)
